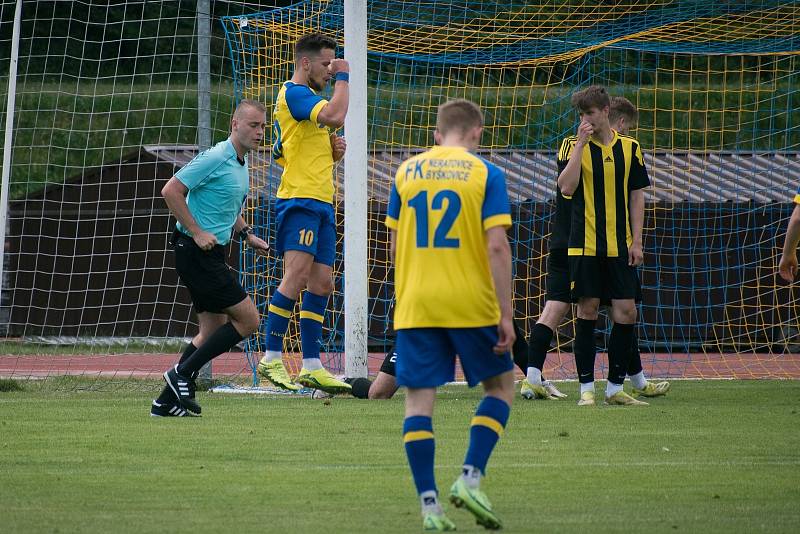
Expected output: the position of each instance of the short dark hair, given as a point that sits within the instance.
(313, 43)
(458, 114)
(622, 107)
(594, 96)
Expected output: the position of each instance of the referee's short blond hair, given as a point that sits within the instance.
(247, 102)
(458, 114)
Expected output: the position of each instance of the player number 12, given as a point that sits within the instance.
(420, 206)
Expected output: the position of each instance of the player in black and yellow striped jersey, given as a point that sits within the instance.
(557, 302)
(623, 116)
(605, 176)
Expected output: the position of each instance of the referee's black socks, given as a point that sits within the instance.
(187, 352)
(220, 341)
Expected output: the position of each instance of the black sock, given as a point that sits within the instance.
(584, 349)
(541, 336)
(619, 350)
(519, 352)
(360, 387)
(187, 352)
(220, 341)
(167, 394)
(635, 359)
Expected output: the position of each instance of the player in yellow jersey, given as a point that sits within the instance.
(306, 235)
(788, 264)
(605, 176)
(448, 214)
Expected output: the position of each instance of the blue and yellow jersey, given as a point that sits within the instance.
(441, 204)
(797, 197)
(302, 146)
(218, 183)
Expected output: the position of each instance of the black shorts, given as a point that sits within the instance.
(601, 277)
(606, 301)
(558, 276)
(211, 283)
(388, 365)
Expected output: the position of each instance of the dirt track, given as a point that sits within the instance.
(559, 365)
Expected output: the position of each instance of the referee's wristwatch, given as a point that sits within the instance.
(244, 232)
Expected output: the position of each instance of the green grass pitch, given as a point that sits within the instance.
(714, 456)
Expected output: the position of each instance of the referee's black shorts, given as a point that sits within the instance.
(558, 276)
(603, 278)
(211, 283)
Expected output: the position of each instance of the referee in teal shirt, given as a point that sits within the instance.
(206, 197)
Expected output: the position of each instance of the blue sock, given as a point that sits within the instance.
(487, 426)
(280, 312)
(312, 313)
(420, 449)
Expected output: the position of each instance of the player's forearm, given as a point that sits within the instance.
(637, 215)
(500, 265)
(176, 202)
(571, 175)
(333, 114)
(239, 224)
(792, 233)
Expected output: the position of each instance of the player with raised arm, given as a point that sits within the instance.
(448, 214)
(306, 235)
(605, 176)
(206, 197)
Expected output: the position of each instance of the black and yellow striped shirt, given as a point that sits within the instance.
(559, 228)
(600, 205)
(562, 220)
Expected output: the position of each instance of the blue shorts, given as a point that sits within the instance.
(426, 357)
(308, 225)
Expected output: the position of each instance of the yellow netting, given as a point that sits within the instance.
(717, 92)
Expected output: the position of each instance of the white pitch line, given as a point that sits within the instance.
(370, 467)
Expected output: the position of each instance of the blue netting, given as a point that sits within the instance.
(716, 84)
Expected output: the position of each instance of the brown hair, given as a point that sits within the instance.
(313, 43)
(458, 114)
(251, 103)
(622, 107)
(594, 96)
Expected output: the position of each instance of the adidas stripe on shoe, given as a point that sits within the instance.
(183, 388)
(169, 410)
